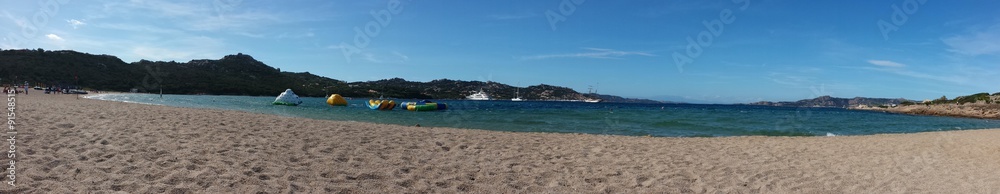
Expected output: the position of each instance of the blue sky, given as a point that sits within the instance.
(764, 50)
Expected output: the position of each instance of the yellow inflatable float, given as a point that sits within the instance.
(336, 100)
(381, 104)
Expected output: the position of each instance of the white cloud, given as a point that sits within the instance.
(251, 35)
(141, 28)
(230, 21)
(158, 54)
(597, 53)
(298, 35)
(54, 37)
(180, 49)
(196, 15)
(898, 69)
(944, 75)
(76, 23)
(943, 78)
(981, 42)
(401, 56)
(394, 57)
(19, 21)
(335, 46)
(370, 57)
(790, 80)
(886, 63)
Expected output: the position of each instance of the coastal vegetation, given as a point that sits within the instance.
(241, 74)
(983, 98)
(979, 105)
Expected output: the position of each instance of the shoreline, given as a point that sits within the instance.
(398, 125)
(771, 133)
(971, 110)
(80, 145)
(945, 110)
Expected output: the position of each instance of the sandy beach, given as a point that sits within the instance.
(70, 145)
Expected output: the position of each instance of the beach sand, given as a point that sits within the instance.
(69, 145)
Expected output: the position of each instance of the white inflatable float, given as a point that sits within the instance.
(287, 98)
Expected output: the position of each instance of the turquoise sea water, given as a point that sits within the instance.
(593, 118)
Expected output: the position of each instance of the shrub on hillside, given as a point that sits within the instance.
(973, 98)
(942, 100)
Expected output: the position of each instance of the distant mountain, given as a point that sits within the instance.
(689, 100)
(241, 74)
(455, 89)
(619, 99)
(827, 101)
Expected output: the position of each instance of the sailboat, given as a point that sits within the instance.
(592, 100)
(517, 96)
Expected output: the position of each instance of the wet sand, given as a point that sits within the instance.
(69, 145)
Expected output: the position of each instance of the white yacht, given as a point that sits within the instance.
(517, 96)
(479, 96)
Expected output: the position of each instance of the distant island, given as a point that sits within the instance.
(241, 74)
(981, 105)
(827, 101)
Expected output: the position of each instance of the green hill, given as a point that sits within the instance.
(239, 74)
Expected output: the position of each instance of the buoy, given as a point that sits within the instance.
(336, 100)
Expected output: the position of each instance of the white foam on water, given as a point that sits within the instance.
(830, 134)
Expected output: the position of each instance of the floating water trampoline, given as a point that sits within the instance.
(424, 106)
